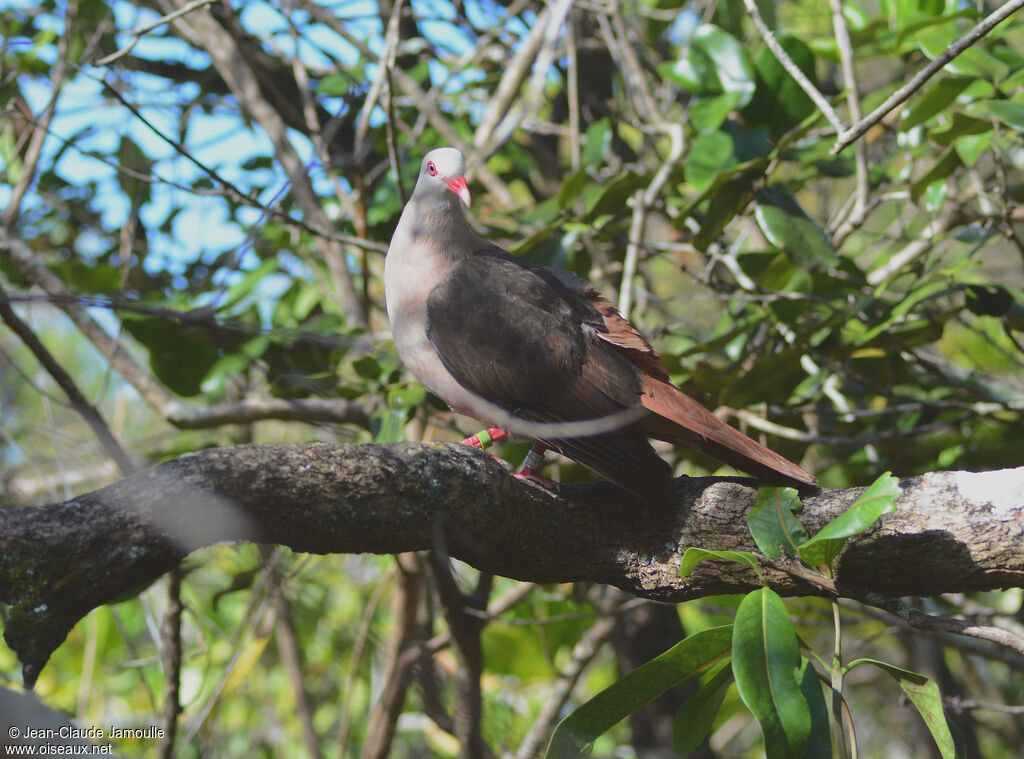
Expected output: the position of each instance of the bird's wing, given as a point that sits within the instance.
(522, 339)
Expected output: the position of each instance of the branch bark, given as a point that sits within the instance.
(952, 531)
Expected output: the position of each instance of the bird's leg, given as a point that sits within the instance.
(532, 463)
(484, 438)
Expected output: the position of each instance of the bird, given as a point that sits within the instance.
(485, 330)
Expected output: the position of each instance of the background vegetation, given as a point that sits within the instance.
(196, 211)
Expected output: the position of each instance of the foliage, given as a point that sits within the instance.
(194, 226)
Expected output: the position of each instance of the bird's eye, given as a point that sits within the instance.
(431, 169)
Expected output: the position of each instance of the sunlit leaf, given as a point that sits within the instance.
(773, 524)
(693, 556)
(924, 694)
(877, 499)
(766, 663)
(686, 660)
(790, 229)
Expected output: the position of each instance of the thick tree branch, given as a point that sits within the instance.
(952, 531)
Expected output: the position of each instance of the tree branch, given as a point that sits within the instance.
(952, 531)
(200, 25)
(903, 93)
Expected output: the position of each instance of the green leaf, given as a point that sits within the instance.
(571, 188)
(613, 196)
(596, 142)
(877, 499)
(709, 112)
(779, 102)
(693, 556)
(1009, 112)
(716, 69)
(765, 662)
(960, 125)
(136, 164)
(935, 99)
(819, 745)
(773, 524)
(179, 356)
(711, 153)
(690, 658)
(791, 230)
(972, 62)
(924, 695)
(971, 147)
(945, 165)
(388, 424)
(726, 198)
(694, 719)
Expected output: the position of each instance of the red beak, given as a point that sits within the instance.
(459, 187)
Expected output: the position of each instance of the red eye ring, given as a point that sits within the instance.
(431, 169)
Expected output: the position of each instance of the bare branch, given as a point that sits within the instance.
(77, 400)
(402, 657)
(918, 620)
(41, 126)
(860, 204)
(584, 652)
(25, 259)
(791, 68)
(200, 25)
(152, 392)
(136, 34)
(903, 93)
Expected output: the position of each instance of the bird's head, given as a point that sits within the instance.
(444, 169)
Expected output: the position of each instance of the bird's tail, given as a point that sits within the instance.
(680, 420)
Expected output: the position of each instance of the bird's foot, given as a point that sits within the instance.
(533, 462)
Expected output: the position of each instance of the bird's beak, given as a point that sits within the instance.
(459, 187)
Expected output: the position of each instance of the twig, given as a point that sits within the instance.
(398, 672)
(391, 38)
(512, 79)
(584, 652)
(136, 34)
(41, 125)
(244, 84)
(355, 658)
(225, 186)
(958, 705)
(642, 201)
(903, 93)
(170, 632)
(972, 646)
(572, 87)
(289, 649)
(842, 33)
(429, 110)
(392, 140)
(317, 133)
(921, 244)
(465, 635)
(258, 604)
(918, 620)
(75, 397)
(791, 68)
(613, 31)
